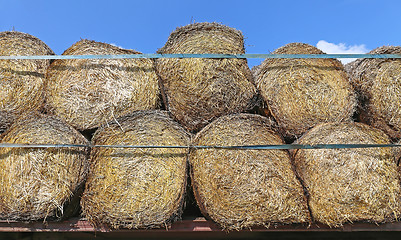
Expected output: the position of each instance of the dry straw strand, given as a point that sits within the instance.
(245, 188)
(378, 84)
(197, 91)
(301, 93)
(22, 81)
(348, 185)
(38, 183)
(137, 188)
(90, 92)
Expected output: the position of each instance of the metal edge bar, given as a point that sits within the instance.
(198, 224)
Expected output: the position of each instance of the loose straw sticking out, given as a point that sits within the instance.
(198, 91)
(301, 93)
(245, 188)
(137, 188)
(378, 83)
(38, 183)
(348, 185)
(21, 81)
(90, 92)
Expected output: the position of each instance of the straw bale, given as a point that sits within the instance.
(301, 93)
(137, 188)
(244, 188)
(378, 84)
(21, 81)
(87, 93)
(38, 183)
(196, 91)
(347, 185)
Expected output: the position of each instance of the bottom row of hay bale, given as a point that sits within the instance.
(237, 188)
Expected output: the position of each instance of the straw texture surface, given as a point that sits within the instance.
(245, 188)
(37, 183)
(378, 83)
(137, 188)
(21, 81)
(347, 185)
(301, 93)
(87, 93)
(197, 91)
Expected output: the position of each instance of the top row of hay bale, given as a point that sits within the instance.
(299, 93)
(87, 93)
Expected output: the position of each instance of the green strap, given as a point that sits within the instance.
(243, 147)
(187, 55)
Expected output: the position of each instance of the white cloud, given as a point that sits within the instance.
(341, 48)
(115, 45)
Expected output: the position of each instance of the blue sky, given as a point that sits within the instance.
(340, 26)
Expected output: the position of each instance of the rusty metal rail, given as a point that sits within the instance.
(197, 224)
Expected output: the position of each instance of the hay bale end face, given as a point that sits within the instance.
(378, 84)
(348, 185)
(87, 93)
(37, 183)
(245, 188)
(301, 93)
(197, 91)
(137, 188)
(21, 81)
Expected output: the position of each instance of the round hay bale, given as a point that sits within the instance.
(196, 91)
(301, 93)
(38, 183)
(244, 188)
(87, 93)
(347, 185)
(378, 84)
(21, 81)
(137, 187)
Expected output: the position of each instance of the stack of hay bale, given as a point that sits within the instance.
(84, 94)
(311, 101)
(36, 183)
